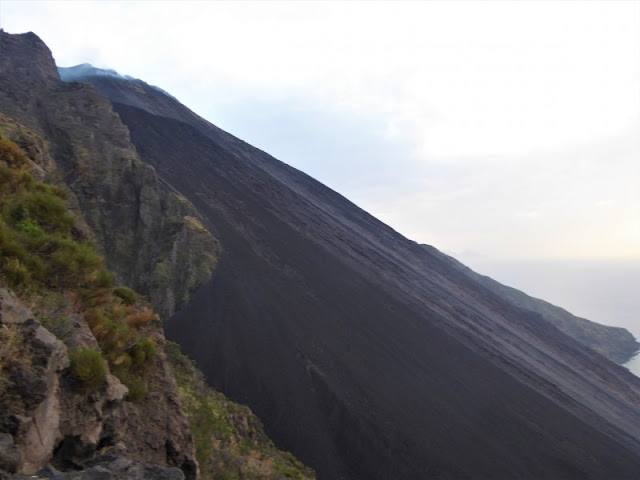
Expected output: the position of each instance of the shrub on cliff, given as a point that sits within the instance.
(127, 295)
(88, 366)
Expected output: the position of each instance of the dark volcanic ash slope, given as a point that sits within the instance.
(362, 353)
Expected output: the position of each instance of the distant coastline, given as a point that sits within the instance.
(605, 291)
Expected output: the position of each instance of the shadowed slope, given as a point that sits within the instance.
(362, 353)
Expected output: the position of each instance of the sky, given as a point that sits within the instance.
(494, 130)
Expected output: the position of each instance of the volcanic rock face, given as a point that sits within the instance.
(45, 415)
(45, 418)
(32, 359)
(119, 196)
(366, 355)
(362, 353)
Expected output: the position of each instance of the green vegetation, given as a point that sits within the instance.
(180, 198)
(40, 257)
(57, 325)
(37, 249)
(120, 332)
(127, 295)
(161, 276)
(88, 366)
(230, 440)
(10, 341)
(194, 224)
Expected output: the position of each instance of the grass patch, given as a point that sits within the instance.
(89, 367)
(39, 254)
(59, 326)
(37, 249)
(120, 332)
(127, 295)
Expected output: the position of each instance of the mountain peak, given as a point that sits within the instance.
(85, 72)
(26, 61)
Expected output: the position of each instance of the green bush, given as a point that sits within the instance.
(127, 295)
(11, 153)
(104, 279)
(89, 367)
(43, 209)
(161, 276)
(74, 262)
(29, 227)
(17, 274)
(128, 351)
(142, 352)
(137, 388)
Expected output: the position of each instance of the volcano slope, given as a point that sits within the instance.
(364, 353)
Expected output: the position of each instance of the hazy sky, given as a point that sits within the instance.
(502, 129)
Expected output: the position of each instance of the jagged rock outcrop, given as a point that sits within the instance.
(31, 362)
(46, 418)
(120, 197)
(31, 71)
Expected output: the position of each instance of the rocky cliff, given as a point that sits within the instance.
(50, 420)
(86, 390)
(82, 370)
(120, 197)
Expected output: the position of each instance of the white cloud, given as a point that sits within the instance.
(511, 128)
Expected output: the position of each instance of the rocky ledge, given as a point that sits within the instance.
(55, 428)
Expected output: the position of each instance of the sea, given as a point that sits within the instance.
(604, 291)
